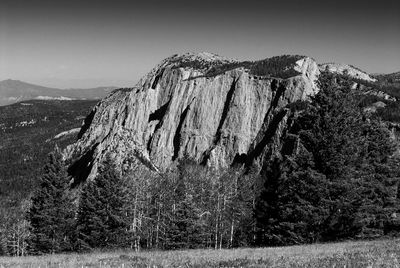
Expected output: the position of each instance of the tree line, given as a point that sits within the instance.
(187, 207)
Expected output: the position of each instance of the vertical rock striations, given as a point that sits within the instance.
(212, 109)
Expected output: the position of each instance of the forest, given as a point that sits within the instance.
(339, 181)
(278, 66)
(24, 149)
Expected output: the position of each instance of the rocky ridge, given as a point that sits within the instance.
(346, 69)
(214, 110)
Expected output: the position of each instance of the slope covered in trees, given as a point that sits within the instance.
(341, 181)
(279, 66)
(27, 132)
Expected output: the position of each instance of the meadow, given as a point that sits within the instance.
(378, 253)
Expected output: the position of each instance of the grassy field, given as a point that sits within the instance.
(380, 253)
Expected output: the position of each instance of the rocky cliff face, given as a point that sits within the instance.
(346, 69)
(211, 109)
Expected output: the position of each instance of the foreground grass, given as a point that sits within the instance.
(380, 253)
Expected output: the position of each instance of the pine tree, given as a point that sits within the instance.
(293, 206)
(186, 221)
(51, 215)
(244, 205)
(100, 221)
(138, 184)
(181, 216)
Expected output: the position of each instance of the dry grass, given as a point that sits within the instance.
(380, 253)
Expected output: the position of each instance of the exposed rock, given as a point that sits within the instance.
(379, 94)
(346, 69)
(379, 104)
(64, 134)
(179, 110)
(373, 108)
(68, 132)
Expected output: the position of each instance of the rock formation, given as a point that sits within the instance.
(212, 109)
(346, 69)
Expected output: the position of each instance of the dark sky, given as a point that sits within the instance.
(92, 43)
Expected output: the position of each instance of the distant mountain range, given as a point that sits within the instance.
(12, 91)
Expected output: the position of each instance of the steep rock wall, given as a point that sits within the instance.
(175, 112)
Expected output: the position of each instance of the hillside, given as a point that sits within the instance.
(12, 91)
(388, 78)
(27, 131)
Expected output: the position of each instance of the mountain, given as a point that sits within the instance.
(12, 91)
(215, 110)
(212, 109)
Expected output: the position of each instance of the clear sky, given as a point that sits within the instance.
(90, 43)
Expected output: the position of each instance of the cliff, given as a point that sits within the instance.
(212, 109)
